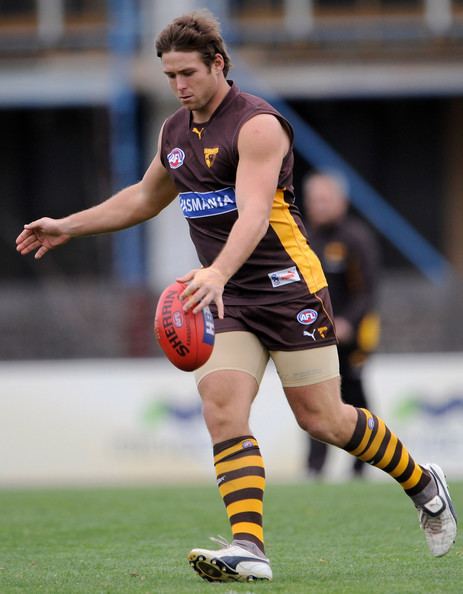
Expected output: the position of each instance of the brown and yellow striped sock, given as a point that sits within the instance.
(375, 443)
(241, 480)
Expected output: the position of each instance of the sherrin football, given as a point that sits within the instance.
(187, 339)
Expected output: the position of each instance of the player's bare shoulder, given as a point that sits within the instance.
(263, 133)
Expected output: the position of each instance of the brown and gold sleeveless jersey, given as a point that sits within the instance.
(202, 160)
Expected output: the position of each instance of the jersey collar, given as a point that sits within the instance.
(232, 93)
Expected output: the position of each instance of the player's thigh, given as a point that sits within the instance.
(227, 397)
(229, 381)
(311, 383)
(237, 351)
(306, 367)
(316, 403)
(310, 379)
(320, 411)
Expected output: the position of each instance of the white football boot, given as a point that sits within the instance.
(232, 563)
(437, 516)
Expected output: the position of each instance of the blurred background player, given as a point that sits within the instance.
(349, 254)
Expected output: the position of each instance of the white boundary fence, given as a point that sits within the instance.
(131, 422)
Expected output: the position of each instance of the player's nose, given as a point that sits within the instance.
(180, 83)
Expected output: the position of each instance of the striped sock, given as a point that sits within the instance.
(375, 443)
(241, 480)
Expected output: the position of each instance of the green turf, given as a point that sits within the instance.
(352, 538)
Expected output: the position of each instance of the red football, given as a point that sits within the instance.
(186, 338)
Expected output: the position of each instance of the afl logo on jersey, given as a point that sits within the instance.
(176, 158)
(307, 317)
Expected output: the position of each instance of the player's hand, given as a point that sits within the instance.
(204, 286)
(344, 330)
(41, 235)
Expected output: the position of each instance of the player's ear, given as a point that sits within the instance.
(218, 63)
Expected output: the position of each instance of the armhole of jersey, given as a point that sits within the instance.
(284, 124)
(161, 144)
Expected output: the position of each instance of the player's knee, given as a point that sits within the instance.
(316, 426)
(309, 421)
(215, 415)
(322, 427)
(222, 422)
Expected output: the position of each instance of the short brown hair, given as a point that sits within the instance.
(196, 31)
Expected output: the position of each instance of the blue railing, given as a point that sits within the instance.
(320, 155)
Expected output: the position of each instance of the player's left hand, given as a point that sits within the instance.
(204, 286)
(344, 330)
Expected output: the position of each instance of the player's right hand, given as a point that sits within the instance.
(41, 235)
(204, 285)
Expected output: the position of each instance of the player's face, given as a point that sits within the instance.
(193, 83)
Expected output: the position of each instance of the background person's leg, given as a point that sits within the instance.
(316, 458)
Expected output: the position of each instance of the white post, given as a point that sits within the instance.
(50, 17)
(165, 11)
(298, 16)
(438, 15)
(170, 250)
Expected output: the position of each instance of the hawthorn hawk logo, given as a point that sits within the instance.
(210, 155)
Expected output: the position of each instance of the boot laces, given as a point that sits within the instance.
(220, 540)
(433, 524)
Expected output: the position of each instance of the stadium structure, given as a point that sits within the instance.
(373, 88)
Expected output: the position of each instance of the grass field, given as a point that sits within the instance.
(352, 538)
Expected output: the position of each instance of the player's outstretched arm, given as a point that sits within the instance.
(130, 206)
